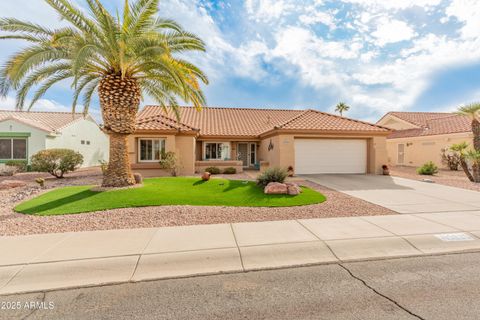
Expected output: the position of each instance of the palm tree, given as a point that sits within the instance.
(474, 156)
(473, 111)
(341, 107)
(461, 150)
(123, 57)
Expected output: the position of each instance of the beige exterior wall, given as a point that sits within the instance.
(283, 152)
(419, 150)
(183, 146)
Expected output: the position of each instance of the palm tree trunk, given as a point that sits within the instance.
(464, 166)
(119, 101)
(476, 172)
(476, 134)
(118, 172)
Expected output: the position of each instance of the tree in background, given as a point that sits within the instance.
(473, 111)
(460, 149)
(123, 57)
(341, 107)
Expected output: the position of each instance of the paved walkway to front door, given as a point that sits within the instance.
(401, 195)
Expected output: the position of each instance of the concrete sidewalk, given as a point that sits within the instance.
(53, 261)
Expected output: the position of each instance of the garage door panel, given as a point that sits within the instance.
(330, 156)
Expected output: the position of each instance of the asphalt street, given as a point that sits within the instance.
(435, 287)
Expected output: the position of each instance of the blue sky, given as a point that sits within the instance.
(376, 55)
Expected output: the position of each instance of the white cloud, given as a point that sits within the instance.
(391, 31)
(319, 17)
(395, 4)
(267, 10)
(8, 103)
(467, 12)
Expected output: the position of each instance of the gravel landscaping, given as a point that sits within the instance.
(12, 223)
(445, 177)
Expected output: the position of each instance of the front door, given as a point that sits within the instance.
(401, 154)
(243, 153)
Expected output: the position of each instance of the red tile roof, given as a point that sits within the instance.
(431, 124)
(316, 120)
(161, 122)
(47, 121)
(254, 122)
(419, 118)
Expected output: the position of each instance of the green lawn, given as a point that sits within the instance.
(164, 191)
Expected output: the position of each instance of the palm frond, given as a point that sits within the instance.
(45, 86)
(135, 44)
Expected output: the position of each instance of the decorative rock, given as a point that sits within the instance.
(10, 184)
(206, 176)
(276, 188)
(138, 178)
(293, 191)
(293, 188)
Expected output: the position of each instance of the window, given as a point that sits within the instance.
(253, 153)
(13, 149)
(88, 142)
(150, 150)
(82, 142)
(217, 151)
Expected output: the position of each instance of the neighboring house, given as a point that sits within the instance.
(22, 134)
(307, 140)
(419, 137)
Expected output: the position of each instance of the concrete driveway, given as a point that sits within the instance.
(402, 195)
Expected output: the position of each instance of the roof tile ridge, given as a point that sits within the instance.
(156, 116)
(350, 119)
(231, 108)
(30, 122)
(292, 119)
(47, 112)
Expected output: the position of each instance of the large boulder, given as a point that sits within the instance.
(276, 188)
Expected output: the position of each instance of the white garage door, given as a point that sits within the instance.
(330, 156)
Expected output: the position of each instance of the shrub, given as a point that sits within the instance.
(428, 168)
(7, 171)
(272, 175)
(170, 161)
(450, 158)
(19, 165)
(57, 162)
(213, 170)
(103, 165)
(230, 170)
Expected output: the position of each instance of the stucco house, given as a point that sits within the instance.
(22, 134)
(419, 137)
(307, 140)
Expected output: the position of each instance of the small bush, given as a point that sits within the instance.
(450, 158)
(272, 175)
(103, 165)
(170, 162)
(213, 170)
(57, 162)
(19, 165)
(230, 170)
(428, 168)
